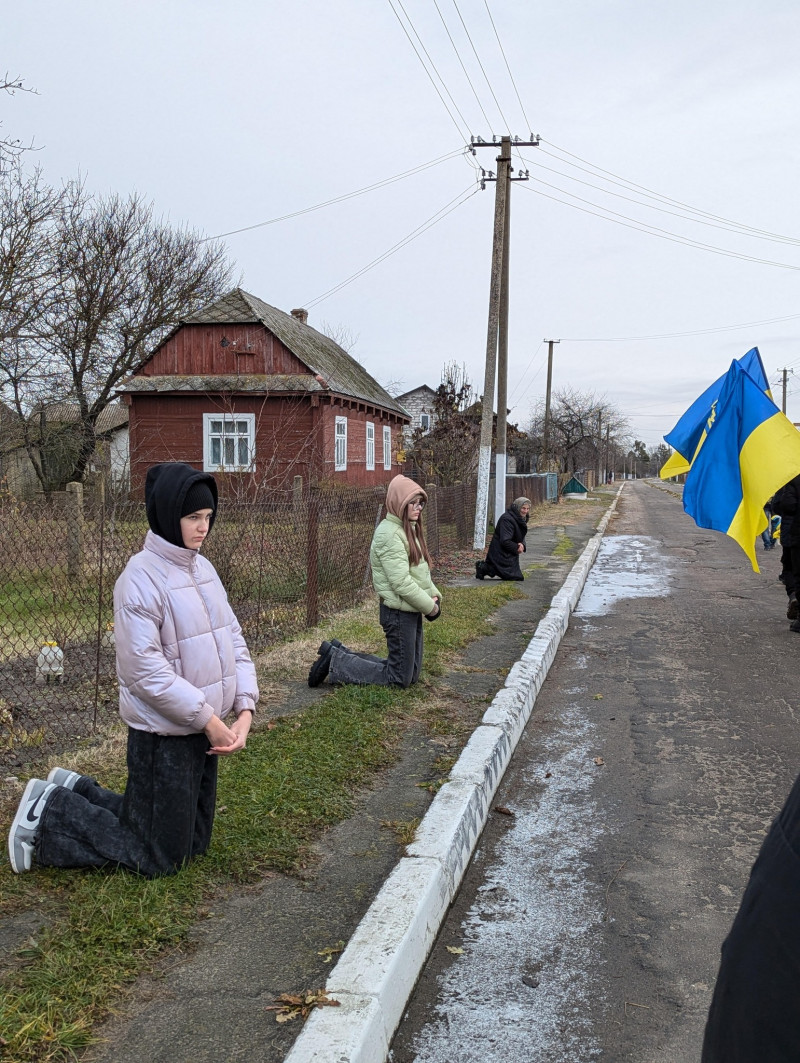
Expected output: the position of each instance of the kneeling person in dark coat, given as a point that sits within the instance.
(508, 542)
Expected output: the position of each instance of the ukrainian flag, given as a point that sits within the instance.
(750, 451)
(689, 433)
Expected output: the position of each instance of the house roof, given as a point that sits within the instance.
(260, 382)
(111, 417)
(416, 391)
(340, 372)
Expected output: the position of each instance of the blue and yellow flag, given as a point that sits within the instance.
(751, 450)
(689, 433)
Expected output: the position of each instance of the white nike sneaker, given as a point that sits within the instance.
(26, 824)
(64, 777)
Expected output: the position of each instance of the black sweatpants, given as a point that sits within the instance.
(163, 819)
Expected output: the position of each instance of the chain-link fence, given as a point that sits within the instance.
(284, 564)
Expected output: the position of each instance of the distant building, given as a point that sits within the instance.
(419, 404)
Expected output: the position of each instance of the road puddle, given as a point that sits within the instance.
(627, 566)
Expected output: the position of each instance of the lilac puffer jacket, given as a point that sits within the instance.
(181, 657)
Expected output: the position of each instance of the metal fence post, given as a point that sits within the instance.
(74, 530)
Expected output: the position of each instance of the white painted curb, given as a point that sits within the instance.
(377, 971)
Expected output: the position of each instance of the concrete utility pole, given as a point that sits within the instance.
(599, 446)
(546, 433)
(502, 367)
(785, 373)
(497, 334)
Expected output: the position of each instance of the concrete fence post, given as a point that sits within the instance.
(74, 531)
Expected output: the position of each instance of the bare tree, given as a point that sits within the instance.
(123, 279)
(341, 334)
(586, 431)
(448, 452)
(11, 148)
(29, 212)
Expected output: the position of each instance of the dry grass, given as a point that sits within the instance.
(568, 511)
(357, 627)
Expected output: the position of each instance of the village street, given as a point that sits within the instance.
(663, 742)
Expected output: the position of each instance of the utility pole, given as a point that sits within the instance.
(785, 373)
(599, 446)
(501, 445)
(487, 402)
(546, 433)
(496, 336)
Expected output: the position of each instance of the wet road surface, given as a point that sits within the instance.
(660, 747)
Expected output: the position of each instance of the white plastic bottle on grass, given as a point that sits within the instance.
(50, 664)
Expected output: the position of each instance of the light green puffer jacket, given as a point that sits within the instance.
(396, 583)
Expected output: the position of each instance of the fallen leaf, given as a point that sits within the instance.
(328, 953)
(504, 811)
(289, 1005)
(599, 761)
(456, 951)
(271, 725)
(548, 775)
(598, 697)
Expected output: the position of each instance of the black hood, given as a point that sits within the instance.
(165, 489)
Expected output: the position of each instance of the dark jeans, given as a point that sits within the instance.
(402, 666)
(163, 819)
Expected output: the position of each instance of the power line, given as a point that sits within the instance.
(463, 67)
(651, 230)
(434, 219)
(508, 68)
(681, 335)
(340, 199)
(527, 370)
(433, 65)
(530, 385)
(657, 195)
(480, 64)
(736, 227)
(444, 103)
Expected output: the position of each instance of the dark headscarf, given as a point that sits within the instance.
(172, 490)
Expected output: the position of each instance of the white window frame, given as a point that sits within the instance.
(387, 447)
(208, 435)
(370, 445)
(340, 445)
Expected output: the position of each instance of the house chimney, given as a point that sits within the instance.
(301, 316)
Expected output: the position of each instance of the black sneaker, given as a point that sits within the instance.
(320, 668)
(793, 608)
(480, 570)
(795, 625)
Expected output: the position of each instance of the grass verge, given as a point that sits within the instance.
(298, 776)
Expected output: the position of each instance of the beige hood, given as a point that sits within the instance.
(399, 493)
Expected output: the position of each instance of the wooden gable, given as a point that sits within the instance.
(223, 350)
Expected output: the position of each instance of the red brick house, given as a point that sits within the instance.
(258, 397)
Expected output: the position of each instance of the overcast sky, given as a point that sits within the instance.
(229, 115)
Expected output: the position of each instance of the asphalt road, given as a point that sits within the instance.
(662, 744)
